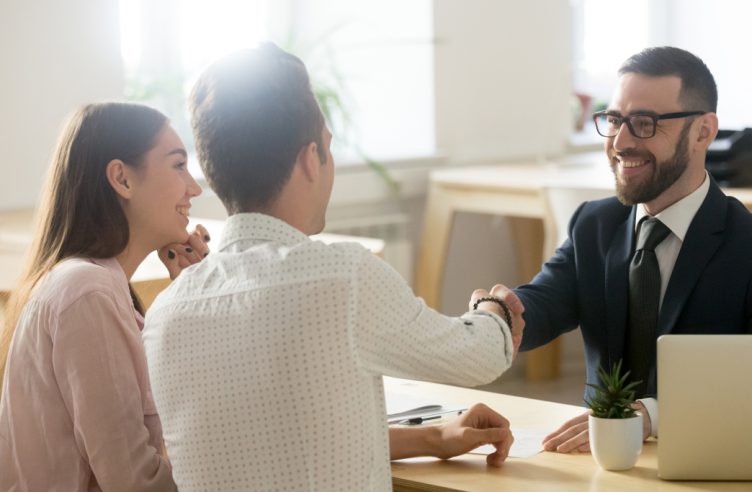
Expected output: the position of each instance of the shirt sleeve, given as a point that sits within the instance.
(651, 407)
(396, 334)
(96, 355)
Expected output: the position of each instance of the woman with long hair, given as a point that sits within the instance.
(77, 411)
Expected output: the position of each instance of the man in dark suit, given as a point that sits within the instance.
(669, 254)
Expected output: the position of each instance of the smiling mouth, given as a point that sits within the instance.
(631, 164)
(183, 211)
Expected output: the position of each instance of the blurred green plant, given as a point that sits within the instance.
(141, 89)
(167, 92)
(330, 89)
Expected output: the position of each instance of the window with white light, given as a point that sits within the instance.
(377, 57)
(605, 33)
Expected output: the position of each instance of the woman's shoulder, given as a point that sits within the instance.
(75, 278)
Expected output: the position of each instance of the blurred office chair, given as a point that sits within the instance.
(562, 202)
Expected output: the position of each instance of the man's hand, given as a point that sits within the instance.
(478, 426)
(515, 307)
(177, 257)
(571, 436)
(647, 424)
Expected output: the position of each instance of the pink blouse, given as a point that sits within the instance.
(77, 412)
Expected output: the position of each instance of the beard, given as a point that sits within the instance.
(664, 174)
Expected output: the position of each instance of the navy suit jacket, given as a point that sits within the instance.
(586, 282)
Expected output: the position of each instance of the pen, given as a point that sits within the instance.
(420, 420)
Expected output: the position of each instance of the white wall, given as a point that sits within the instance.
(503, 91)
(503, 78)
(54, 56)
(719, 33)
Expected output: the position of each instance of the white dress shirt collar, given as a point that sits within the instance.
(240, 227)
(678, 216)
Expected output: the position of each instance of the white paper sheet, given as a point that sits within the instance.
(399, 403)
(527, 443)
(402, 407)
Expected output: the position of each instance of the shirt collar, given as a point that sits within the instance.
(678, 216)
(257, 226)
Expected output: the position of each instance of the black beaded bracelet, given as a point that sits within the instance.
(507, 313)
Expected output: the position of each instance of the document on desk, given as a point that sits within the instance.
(407, 409)
(527, 443)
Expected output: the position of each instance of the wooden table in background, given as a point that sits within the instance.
(516, 191)
(547, 472)
(151, 276)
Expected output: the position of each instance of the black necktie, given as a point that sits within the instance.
(644, 301)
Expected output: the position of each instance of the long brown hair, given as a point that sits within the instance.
(80, 215)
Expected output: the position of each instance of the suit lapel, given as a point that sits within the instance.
(617, 286)
(700, 243)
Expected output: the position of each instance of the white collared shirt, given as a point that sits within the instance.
(266, 361)
(677, 218)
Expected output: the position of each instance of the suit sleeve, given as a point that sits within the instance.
(550, 300)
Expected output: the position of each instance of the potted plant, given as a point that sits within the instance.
(614, 426)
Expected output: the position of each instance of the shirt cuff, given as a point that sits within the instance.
(506, 332)
(651, 408)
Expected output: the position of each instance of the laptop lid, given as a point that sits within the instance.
(705, 407)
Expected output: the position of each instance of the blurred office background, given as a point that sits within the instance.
(422, 84)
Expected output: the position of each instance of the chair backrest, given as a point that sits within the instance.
(563, 201)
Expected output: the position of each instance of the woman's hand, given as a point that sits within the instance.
(177, 256)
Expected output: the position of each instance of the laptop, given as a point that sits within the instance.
(705, 407)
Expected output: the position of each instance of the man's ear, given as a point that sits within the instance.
(309, 162)
(708, 130)
(118, 176)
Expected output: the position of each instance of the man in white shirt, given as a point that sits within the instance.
(669, 254)
(266, 360)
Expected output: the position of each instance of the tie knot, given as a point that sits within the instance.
(651, 232)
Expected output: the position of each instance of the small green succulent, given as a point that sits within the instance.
(613, 395)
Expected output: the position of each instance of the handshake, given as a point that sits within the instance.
(489, 302)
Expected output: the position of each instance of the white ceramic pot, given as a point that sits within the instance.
(616, 443)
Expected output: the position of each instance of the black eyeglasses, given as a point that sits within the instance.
(641, 125)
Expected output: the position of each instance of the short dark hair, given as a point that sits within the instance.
(252, 112)
(698, 89)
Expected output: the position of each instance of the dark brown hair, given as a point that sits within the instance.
(252, 112)
(698, 89)
(80, 215)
